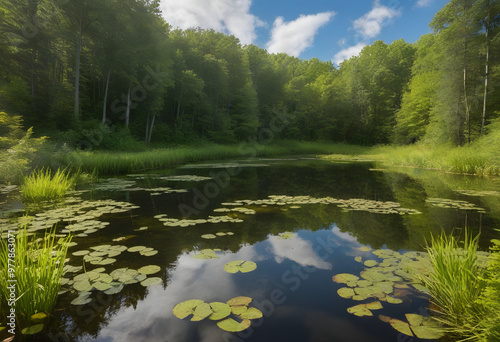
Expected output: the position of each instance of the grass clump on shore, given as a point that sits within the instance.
(36, 265)
(465, 288)
(43, 185)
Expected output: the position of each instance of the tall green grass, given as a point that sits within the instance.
(468, 159)
(109, 163)
(38, 270)
(43, 184)
(456, 284)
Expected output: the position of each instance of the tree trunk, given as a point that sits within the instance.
(147, 130)
(486, 73)
(105, 98)
(151, 128)
(127, 112)
(77, 72)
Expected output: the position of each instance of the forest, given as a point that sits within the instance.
(115, 73)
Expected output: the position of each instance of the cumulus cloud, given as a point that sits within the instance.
(348, 53)
(295, 36)
(228, 16)
(370, 24)
(423, 3)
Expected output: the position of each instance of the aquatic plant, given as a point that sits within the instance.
(43, 185)
(38, 269)
(456, 283)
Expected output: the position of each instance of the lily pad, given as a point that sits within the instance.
(361, 310)
(82, 285)
(208, 236)
(186, 308)
(241, 300)
(39, 316)
(345, 292)
(206, 254)
(252, 313)
(151, 281)
(344, 278)
(136, 248)
(201, 312)
(81, 300)
(238, 309)
(240, 265)
(150, 269)
(370, 263)
(115, 288)
(34, 329)
(231, 325)
(286, 235)
(220, 311)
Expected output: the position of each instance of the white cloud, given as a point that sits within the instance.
(228, 16)
(348, 53)
(370, 24)
(296, 36)
(423, 3)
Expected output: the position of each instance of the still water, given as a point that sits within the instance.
(300, 220)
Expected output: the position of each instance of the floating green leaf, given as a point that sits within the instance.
(39, 316)
(231, 325)
(241, 300)
(286, 235)
(208, 236)
(150, 269)
(34, 329)
(240, 265)
(186, 308)
(220, 311)
(370, 263)
(82, 285)
(151, 281)
(345, 292)
(201, 312)
(344, 278)
(136, 248)
(251, 313)
(361, 310)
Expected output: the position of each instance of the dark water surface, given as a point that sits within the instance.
(292, 284)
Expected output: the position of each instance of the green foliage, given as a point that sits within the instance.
(456, 280)
(18, 153)
(43, 185)
(38, 270)
(489, 327)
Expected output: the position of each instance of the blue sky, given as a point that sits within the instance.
(326, 29)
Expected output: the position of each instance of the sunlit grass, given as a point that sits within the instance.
(38, 270)
(43, 184)
(465, 160)
(108, 163)
(456, 283)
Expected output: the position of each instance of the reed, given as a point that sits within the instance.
(456, 283)
(43, 185)
(114, 163)
(38, 269)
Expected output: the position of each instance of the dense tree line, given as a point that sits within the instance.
(73, 67)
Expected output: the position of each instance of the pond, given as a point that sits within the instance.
(288, 225)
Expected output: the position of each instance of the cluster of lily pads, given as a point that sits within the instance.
(212, 236)
(453, 204)
(176, 178)
(388, 281)
(110, 283)
(357, 204)
(118, 184)
(218, 311)
(221, 165)
(241, 210)
(173, 222)
(478, 193)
